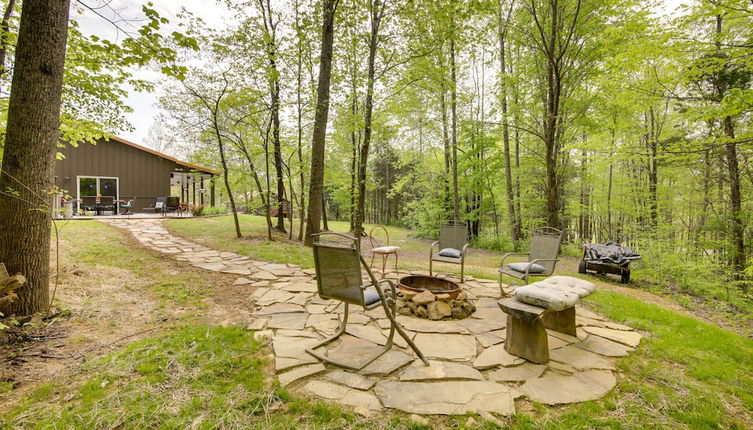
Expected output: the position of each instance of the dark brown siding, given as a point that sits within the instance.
(141, 176)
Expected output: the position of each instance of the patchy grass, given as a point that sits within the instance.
(201, 377)
(219, 232)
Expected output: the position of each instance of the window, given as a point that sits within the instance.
(92, 186)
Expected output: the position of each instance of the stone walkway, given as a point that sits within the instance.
(470, 370)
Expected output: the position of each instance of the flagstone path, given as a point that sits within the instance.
(470, 370)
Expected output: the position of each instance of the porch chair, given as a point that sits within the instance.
(338, 277)
(88, 204)
(127, 208)
(107, 204)
(542, 258)
(172, 204)
(158, 206)
(383, 251)
(452, 244)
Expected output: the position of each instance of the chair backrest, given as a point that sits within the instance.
(172, 202)
(88, 201)
(107, 200)
(454, 235)
(373, 240)
(545, 243)
(338, 271)
(160, 202)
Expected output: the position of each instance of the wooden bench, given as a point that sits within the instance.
(527, 323)
(526, 328)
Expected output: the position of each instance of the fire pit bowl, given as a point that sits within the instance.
(421, 283)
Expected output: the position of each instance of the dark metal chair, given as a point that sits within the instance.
(106, 204)
(172, 204)
(158, 206)
(88, 204)
(542, 259)
(338, 277)
(452, 244)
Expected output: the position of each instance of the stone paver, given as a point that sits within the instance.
(453, 347)
(447, 397)
(470, 371)
(439, 370)
(495, 356)
(579, 387)
(301, 372)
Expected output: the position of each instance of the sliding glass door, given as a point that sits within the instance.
(93, 186)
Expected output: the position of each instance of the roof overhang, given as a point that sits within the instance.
(165, 156)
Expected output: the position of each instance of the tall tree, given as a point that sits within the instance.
(376, 14)
(271, 42)
(29, 155)
(316, 183)
(503, 22)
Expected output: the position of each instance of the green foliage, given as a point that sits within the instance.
(215, 210)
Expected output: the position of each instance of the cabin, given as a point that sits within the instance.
(126, 171)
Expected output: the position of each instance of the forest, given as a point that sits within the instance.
(617, 121)
(484, 121)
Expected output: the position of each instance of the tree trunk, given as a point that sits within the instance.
(299, 105)
(512, 216)
(31, 139)
(376, 11)
(316, 183)
(225, 174)
(447, 156)
(453, 108)
(5, 29)
(735, 200)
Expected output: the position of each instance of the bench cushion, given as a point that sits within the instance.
(521, 267)
(557, 292)
(386, 249)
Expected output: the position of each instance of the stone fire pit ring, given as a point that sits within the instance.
(421, 283)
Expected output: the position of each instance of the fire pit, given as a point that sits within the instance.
(432, 298)
(421, 283)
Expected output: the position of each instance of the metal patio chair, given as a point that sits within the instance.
(542, 258)
(452, 244)
(383, 251)
(172, 204)
(339, 277)
(88, 204)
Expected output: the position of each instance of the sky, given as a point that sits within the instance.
(145, 104)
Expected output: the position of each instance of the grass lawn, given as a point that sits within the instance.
(192, 373)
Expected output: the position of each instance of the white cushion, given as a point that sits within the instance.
(521, 267)
(579, 286)
(557, 292)
(385, 249)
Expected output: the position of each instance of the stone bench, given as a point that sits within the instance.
(548, 304)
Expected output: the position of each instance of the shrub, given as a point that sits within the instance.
(196, 210)
(215, 210)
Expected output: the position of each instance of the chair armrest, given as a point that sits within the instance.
(543, 259)
(462, 252)
(510, 254)
(431, 249)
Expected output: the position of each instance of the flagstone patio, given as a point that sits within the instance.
(470, 370)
